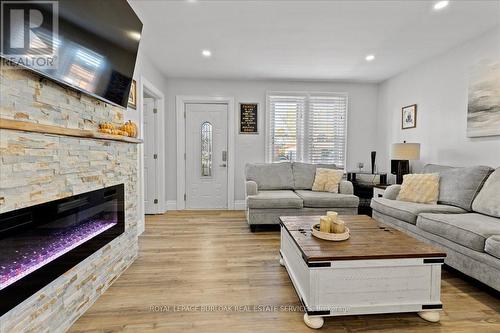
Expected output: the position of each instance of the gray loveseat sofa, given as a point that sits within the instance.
(465, 222)
(281, 189)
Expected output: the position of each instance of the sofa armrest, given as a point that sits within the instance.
(392, 192)
(345, 187)
(251, 188)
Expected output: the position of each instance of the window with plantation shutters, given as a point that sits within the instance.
(285, 128)
(326, 129)
(307, 127)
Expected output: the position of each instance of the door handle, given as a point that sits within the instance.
(224, 155)
(223, 165)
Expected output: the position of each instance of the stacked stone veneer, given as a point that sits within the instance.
(36, 168)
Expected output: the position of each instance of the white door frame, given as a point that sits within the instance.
(146, 86)
(181, 101)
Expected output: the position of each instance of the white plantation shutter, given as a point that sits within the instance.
(307, 127)
(326, 134)
(286, 129)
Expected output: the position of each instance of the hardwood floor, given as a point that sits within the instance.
(211, 258)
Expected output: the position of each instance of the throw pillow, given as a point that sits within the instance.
(488, 200)
(327, 180)
(420, 188)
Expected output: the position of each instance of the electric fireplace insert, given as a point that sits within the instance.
(40, 243)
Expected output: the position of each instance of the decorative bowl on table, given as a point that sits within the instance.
(329, 236)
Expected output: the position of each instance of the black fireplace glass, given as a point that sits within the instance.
(40, 243)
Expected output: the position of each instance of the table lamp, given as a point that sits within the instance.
(401, 155)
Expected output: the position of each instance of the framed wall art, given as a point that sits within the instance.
(483, 108)
(248, 118)
(132, 96)
(409, 116)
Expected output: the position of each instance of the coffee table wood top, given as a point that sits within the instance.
(368, 240)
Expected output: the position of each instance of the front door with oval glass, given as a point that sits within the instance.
(206, 156)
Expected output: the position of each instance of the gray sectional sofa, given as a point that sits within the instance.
(465, 222)
(280, 189)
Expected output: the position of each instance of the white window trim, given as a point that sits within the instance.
(306, 94)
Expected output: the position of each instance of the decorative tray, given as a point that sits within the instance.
(329, 236)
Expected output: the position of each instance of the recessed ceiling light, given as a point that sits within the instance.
(206, 53)
(440, 5)
(370, 57)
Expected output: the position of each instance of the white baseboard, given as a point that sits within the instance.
(141, 226)
(240, 205)
(171, 205)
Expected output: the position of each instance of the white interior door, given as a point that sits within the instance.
(151, 132)
(206, 156)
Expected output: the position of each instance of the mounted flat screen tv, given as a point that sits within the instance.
(95, 43)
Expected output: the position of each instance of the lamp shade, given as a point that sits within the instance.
(405, 151)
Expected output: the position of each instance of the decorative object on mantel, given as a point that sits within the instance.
(330, 228)
(409, 116)
(127, 129)
(109, 128)
(483, 109)
(130, 128)
(401, 155)
(18, 125)
(132, 97)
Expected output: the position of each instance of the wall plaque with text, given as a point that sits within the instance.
(248, 118)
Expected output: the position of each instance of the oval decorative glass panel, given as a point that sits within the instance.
(206, 149)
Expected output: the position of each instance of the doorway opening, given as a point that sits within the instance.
(153, 152)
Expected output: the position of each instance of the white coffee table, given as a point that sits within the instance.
(377, 270)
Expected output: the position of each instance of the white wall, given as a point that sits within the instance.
(143, 69)
(250, 148)
(439, 88)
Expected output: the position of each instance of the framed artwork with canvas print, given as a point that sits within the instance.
(483, 109)
(409, 116)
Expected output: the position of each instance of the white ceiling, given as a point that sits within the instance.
(304, 40)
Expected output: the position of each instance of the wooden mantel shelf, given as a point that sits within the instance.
(49, 129)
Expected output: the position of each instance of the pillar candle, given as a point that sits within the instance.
(325, 224)
(332, 215)
(338, 227)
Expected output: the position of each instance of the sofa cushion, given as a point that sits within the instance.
(459, 186)
(274, 199)
(492, 246)
(304, 173)
(488, 200)
(470, 230)
(327, 199)
(270, 176)
(408, 211)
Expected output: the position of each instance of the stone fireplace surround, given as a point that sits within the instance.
(37, 168)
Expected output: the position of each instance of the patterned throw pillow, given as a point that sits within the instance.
(327, 180)
(420, 188)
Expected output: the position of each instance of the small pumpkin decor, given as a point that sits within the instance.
(130, 128)
(106, 128)
(119, 132)
(127, 129)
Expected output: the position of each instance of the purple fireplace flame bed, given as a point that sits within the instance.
(21, 256)
(40, 243)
